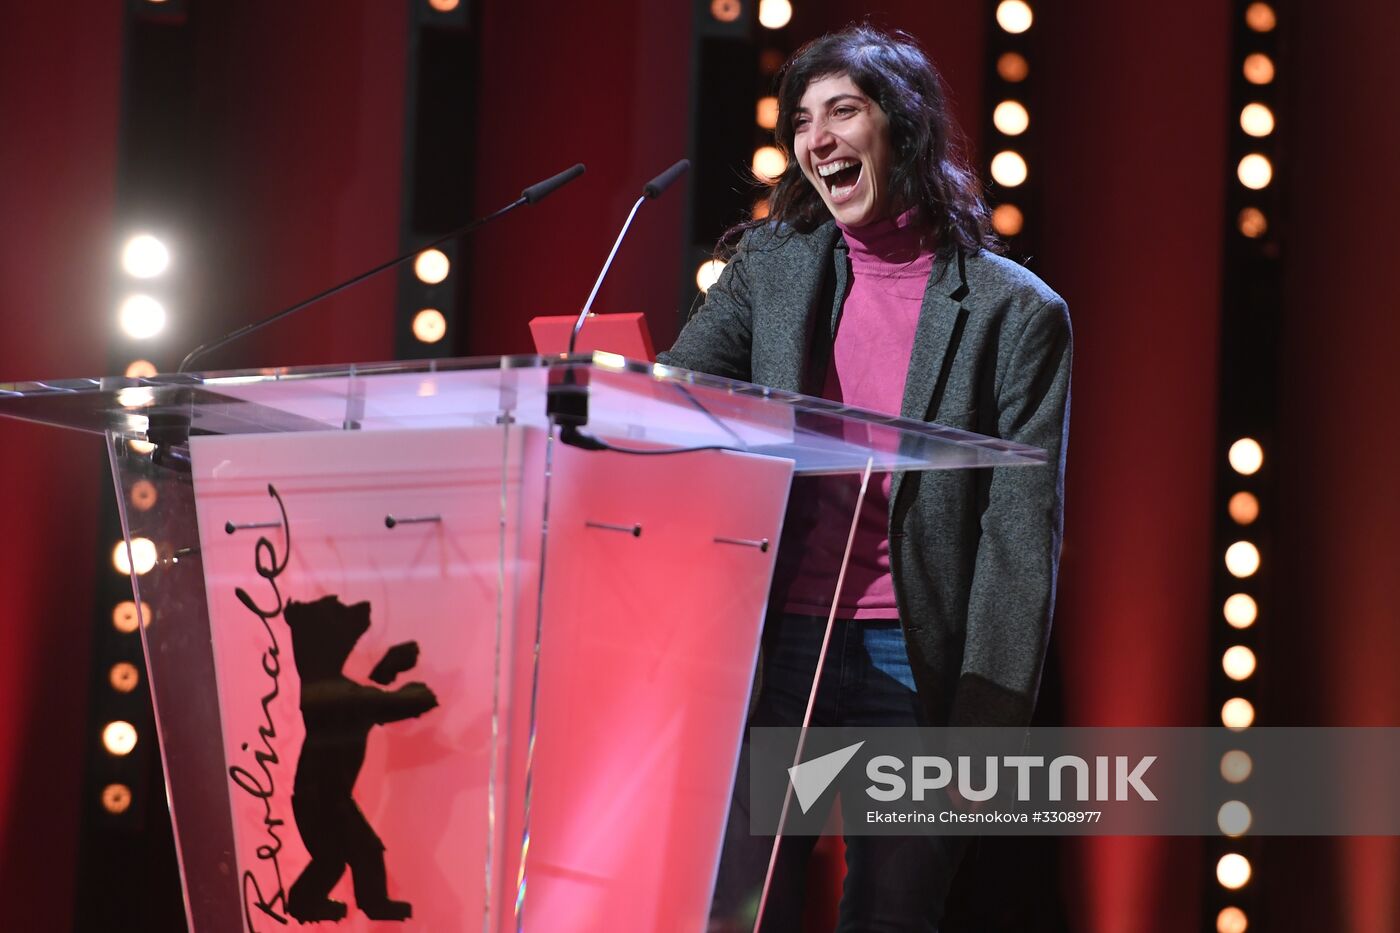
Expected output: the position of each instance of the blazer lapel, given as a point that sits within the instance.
(938, 316)
(798, 306)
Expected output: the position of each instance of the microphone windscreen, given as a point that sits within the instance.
(663, 181)
(540, 189)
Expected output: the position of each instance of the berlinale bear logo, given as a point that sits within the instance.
(339, 714)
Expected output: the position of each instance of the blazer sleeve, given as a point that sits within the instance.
(718, 338)
(1018, 555)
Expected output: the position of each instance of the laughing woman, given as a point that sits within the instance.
(877, 259)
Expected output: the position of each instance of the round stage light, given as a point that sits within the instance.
(708, 273)
(1258, 68)
(1233, 818)
(1008, 168)
(431, 266)
(444, 6)
(1238, 662)
(429, 325)
(1011, 117)
(141, 316)
(1242, 559)
(1237, 713)
(1260, 17)
(1014, 16)
(769, 163)
(145, 257)
(1241, 610)
(1257, 120)
(116, 798)
(1231, 920)
(119, 737)
(1007, 220)
(143, 552)
(726, 11)
(123, 677)
(143, 495)
(1246, 456)
(140, 369)
(1253, 223)
(125, 618)
(141, 447)
(1012, 67)
(1244, 508)
(1255, 171)
(135, 396)
(766, 113)
(1232, 871)
(1235, 766)
(774, 14)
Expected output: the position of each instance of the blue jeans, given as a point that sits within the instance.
(892, 883)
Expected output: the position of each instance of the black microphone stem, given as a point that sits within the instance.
(202, 349)
(530, 195)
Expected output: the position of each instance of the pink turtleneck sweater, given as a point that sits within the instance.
(869, 362)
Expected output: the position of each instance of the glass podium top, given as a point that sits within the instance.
(629, 404)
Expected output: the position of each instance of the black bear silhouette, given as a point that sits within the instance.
(339, 713)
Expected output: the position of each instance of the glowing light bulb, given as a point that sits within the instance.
(431, 266)
(1253, 223)
(1232, 871)
(1012, 67)
(1244, 508)
(1238, 662)
(429, 325)
(143, 553)
(1237, 713)
(1258, 68)
(1014, 16)
(141, 317)
(769, 163)
(708, 273)
(1233, 818)
(1257, 120)
(766, 113)
(145, 257)
(119, 737)
(774, 14)
(1009, 168)
(1235, 766)
(1255, 171)
(1231, 920)
(1241, 610)
(116, 798)
(1011, 117)
(1007, 220)
(1242, 559)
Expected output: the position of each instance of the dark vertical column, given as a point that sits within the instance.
(59, 85)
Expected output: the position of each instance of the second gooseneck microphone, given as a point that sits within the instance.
(652, 189)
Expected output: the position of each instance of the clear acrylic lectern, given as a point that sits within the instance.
(421, 653)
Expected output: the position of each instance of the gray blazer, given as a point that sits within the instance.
(974, 553)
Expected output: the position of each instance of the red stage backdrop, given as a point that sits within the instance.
(58, 105)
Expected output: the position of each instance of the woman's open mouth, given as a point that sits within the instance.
(841, 178)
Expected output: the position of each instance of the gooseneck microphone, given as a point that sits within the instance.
(651, 189)
(530, 195)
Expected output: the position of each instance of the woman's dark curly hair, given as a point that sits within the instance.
(930, 169)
